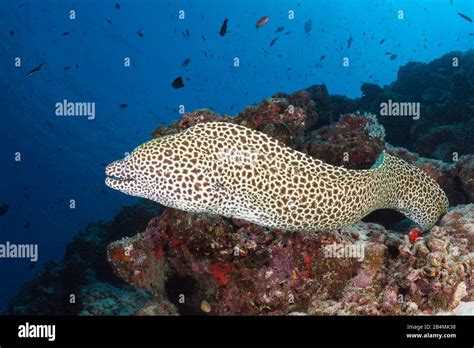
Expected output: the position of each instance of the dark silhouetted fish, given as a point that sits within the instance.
(322, 57)
(67, 67)
(178, 83)
(279, 29)
(12, 33)
(465, 17)
(273, 41)
(117, 6)
(66, 33)
(3, 208)
(108, 21)
(123, 106)
(27, 225)
(393, 57)
(308, 26)
(349, 42)
(223, 30)
(381, 41)
(140, 33)
(186, 62)
(262, 21)
(35, 70)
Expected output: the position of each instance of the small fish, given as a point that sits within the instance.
(12, 33)
(186, 62)
(308, 26)
(77, 66)
(123, 106)
(177, 83)
(67, 67)
(66, 33)
(388, 53)
(413, 235)
(262, 21)
(273, 41)
(140, 33)
(349, 42)
(279, 29)
(322, 57)
(393, 57)
(108, 21)
(287, 33)
(3, 208)
(27, 225)
(465, 17)
(381, 41)
(223, 30)
(203, 38)
(35, 70)
(117, 6)
(185, 34)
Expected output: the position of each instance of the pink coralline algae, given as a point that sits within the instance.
(355, 141)
(240, 268)
(284, 118)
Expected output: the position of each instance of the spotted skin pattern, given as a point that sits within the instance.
(230, 170)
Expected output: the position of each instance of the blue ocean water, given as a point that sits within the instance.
(62, 158)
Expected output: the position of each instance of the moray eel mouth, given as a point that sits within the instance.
(117, 175)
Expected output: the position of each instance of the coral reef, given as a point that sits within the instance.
(240, 268)
(105, 299)
(445, 93)
(355, 141)
(84, 268)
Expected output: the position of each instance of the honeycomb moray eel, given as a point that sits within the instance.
(230, 170)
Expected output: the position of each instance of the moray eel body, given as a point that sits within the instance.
(230, 170)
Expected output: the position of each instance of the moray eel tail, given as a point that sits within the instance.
(409, 190)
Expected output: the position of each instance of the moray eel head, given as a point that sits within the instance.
(121, 177)
(156, 170)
